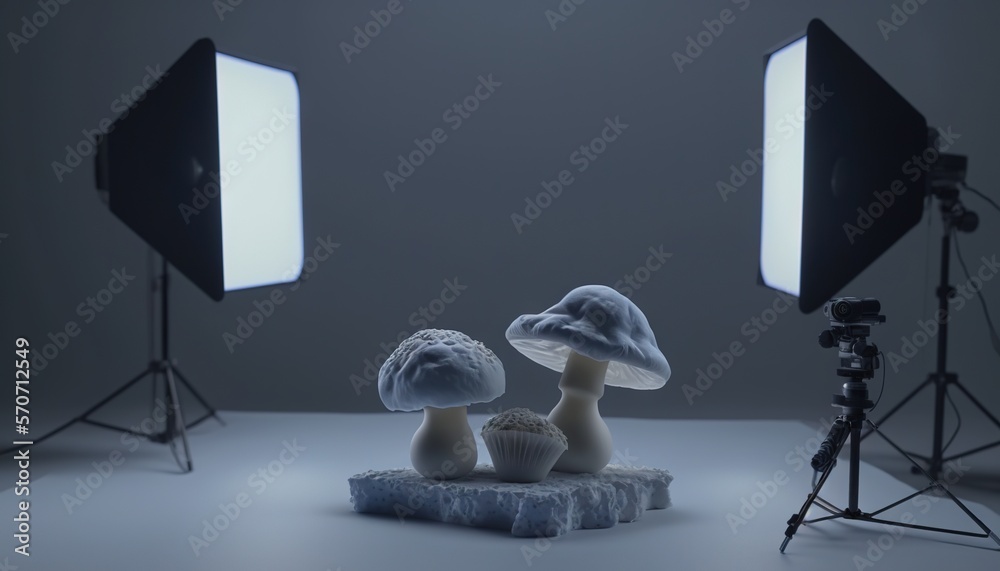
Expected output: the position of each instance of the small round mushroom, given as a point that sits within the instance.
(441, 372)
(595, 336)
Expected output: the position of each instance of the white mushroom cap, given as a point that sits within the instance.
(596, 322)
(442, 369)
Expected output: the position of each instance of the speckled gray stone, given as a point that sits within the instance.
(555, 506)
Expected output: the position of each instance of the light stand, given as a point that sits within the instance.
(945, 180)
(234, 232)
(859, 361)
(174, 427)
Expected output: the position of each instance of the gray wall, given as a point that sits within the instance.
(652, 187)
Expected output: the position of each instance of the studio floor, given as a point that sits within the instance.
(736, 483)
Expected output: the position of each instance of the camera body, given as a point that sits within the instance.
(853, 310)
(851, 319)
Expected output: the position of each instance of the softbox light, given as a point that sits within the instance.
(842, 176)
(206, 169)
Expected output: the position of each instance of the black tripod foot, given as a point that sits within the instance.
(853, 513)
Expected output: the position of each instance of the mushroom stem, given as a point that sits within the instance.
(443, 448)
(577, 415)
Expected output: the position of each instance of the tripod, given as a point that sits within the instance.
(945, 181)
(858, 362)
(174, 427)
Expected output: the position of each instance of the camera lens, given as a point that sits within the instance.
(842, 309)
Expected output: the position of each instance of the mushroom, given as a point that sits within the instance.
(595, 336)
(441, 372)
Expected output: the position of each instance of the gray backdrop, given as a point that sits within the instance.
(654, 186)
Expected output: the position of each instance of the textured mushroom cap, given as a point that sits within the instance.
(442, 369)
(524, 420)
(596, 322)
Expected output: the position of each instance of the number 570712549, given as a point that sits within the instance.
(22, 378)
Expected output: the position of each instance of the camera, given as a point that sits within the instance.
(854, 310)
(851, 319)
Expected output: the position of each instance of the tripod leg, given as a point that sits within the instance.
(986, 412)
(855, 468)
(156, 386)
(797, 519)
(934, 483)
(211, 410)
(175, 419)
(111, 397)
(83, 417)
(978, 404)
(900, 404)
(940, 393)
